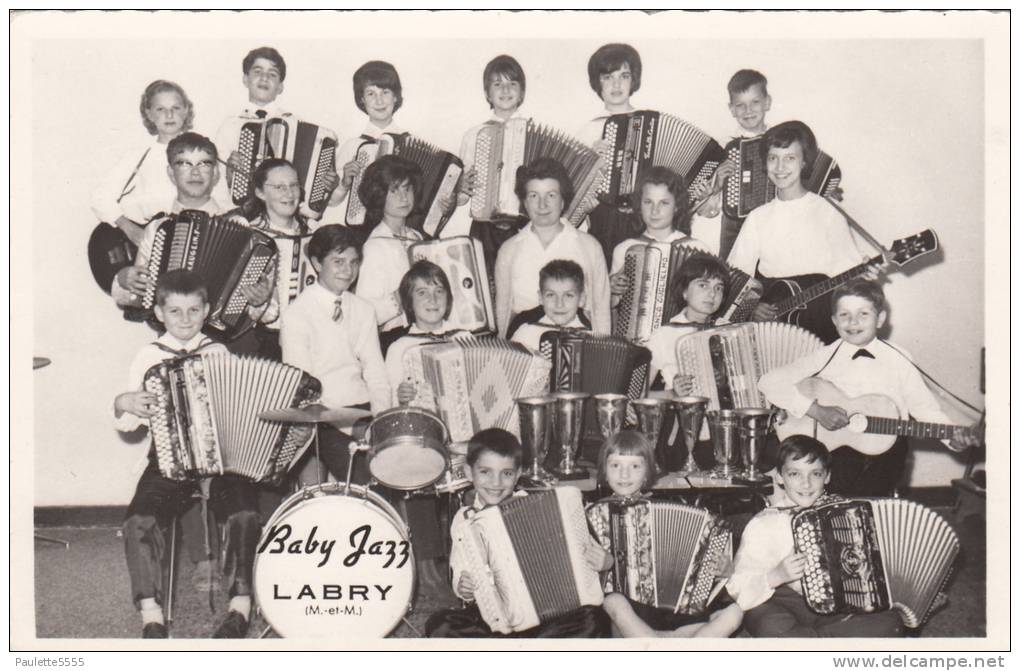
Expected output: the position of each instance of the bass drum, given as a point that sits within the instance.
(334, 563)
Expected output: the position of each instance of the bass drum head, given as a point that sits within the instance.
(334, 565)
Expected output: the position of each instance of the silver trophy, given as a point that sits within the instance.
(724, 427)
(610, 409)
(651, 416)
(536, 413)
(690, 412)
(754, 426)
(569, 415)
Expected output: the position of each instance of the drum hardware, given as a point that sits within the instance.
(690, 412)
(569, 415)
(755, 424)
(37, 363)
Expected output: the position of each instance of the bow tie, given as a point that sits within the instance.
(261, 114)
(863, 353)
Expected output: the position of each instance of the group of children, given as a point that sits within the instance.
(344, 303)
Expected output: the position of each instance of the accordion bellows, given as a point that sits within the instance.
(440, 171)
(463, 261)
(207, 422)
(649, 301)
(501, 148)
(227, 254)
(311, 149)
(726, 362)
(866, 556)
(666, 555)
(473, 384)
(750, 186)
(526, 557)
(641, 140)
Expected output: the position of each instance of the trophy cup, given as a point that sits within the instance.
(569, 415)
(754, 426)
(723, 425)
(610, 409)
(535, 414)
(651, 415)
(690, 412)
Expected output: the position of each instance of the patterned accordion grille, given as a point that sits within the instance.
(207, 415)
(535, 526)
(247, 147)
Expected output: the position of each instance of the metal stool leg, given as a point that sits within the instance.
(171, 575)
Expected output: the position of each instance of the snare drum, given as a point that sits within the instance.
(408, 448)
(455, 478)
(334, 564)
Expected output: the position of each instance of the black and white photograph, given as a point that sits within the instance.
(550, 330)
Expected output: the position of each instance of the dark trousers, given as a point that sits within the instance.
(857, 474)
(786, 615)
(611, 226)
(158, 500)
(259, 341)
(585, 622)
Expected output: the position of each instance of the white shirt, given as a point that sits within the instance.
(294, 271)
(530, 335)
(766, 541)
(662, 345)
(784, 238)
(383, 266)
(229, 134)
(522, 257)
(121, 295)
(458, 562)
(150, 355)
(145, 194)
(707, 231)
(344, 355)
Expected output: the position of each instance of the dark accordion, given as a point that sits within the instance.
(750, 186)
(867, 556)
(595, 365)
(463, 261)
(207, 422)
(666, 555)
(501, 148)
(473, 384)
(726, 362)
(526, 557)
(227, 254)
(311, 149)
(440, 171)
(650, 301)
(641, 140)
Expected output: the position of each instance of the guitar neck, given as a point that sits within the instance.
(821, 288)
(909, 427)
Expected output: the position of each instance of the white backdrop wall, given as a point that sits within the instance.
(904, 118)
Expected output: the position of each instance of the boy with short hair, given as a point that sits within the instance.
(330, 333)
(561, 293)
(494, 465)
(767, 572)
(859, 363)
(182, 306)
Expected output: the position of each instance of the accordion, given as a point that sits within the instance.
(463, 261)
(750, 186)
(310, 149)
(595, 365)
(473, 384)
(865, 556)
(227, 254)
(207, 415)
(727, 361)
(501, 148)
(666, 555)
(640, 140)
(650, 301)
(526, 557)
(440, 171)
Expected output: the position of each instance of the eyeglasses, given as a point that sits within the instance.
(283, 188)
(204, 166)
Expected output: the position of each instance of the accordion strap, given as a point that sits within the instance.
(205, 342)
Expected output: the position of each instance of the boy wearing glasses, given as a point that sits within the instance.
(193, 170)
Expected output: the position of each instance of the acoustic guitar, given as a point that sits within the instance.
(874, 421)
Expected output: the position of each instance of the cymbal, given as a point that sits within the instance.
(40, 362)
(315, 414)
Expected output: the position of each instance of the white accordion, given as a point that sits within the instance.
(726, 362)
(463, 261)
(526, 558)
(473, 384)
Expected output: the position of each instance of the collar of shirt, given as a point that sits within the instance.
(682, 319)
(373, 131)
(672, 237)
(383, 231)
(740, 133)
(575, 323)
(516, 115)
(273, 109)
(209, 207)
(415, 330)
(263, 224)
(168, 340)
(327, 299)
(567, 231)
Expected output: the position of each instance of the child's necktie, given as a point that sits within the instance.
(338, 310)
